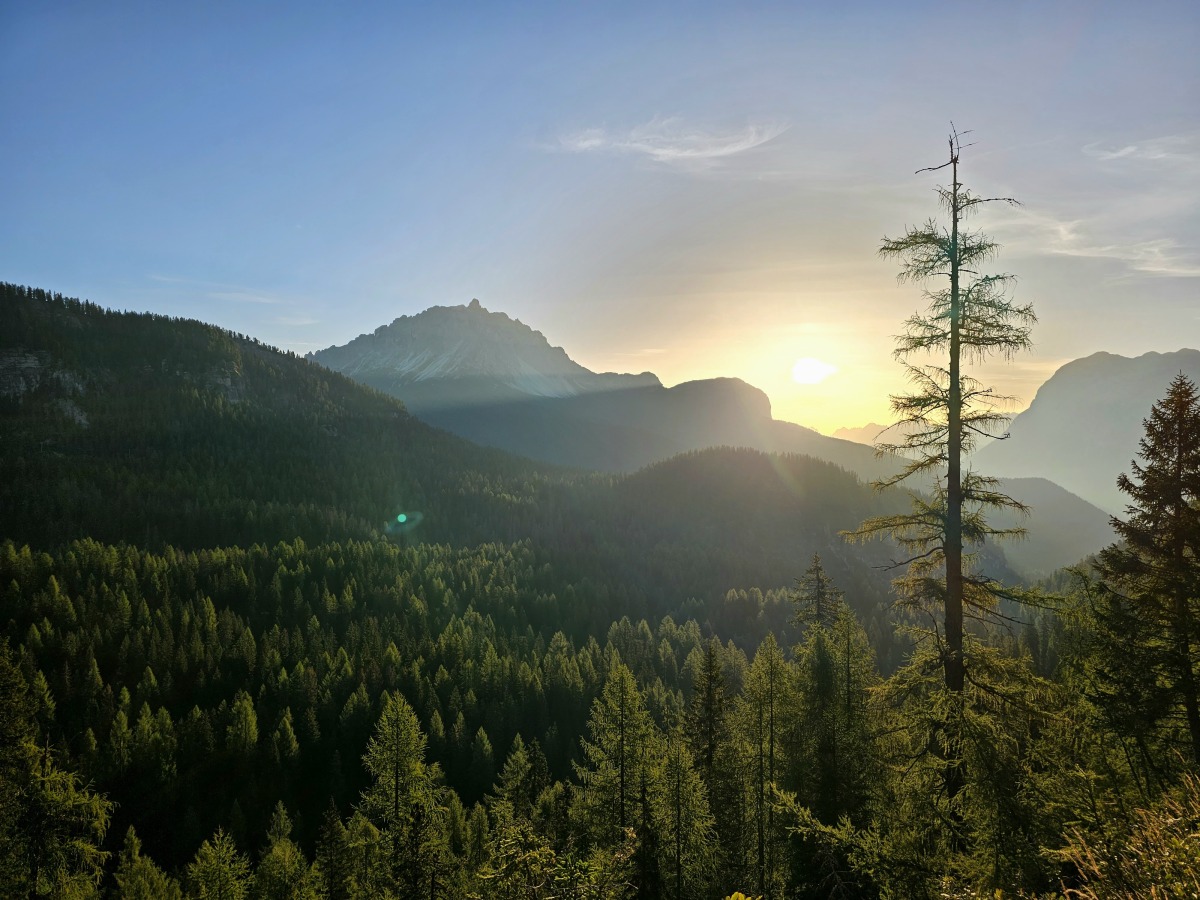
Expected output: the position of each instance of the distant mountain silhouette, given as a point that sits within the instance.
(1062, 528)
(863, 434)
(467, 356)
(496, 381)
(1083, 427)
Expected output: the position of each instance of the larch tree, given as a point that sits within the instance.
(623, 781)
(687, 823)
(969, 317)
(402, 798)
(769, 692)
(834, 730)
(624, 743)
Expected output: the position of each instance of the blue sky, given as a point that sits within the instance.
(683, 188)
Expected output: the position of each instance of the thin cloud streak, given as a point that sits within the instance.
(1153, 195)
(1178, 148)
(300, 321)
(245, 297)
(215, 290)
(1042, 234)
(671, 142)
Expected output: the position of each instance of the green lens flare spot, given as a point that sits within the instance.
(402, 518)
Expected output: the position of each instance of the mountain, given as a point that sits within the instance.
(158, 432)
(497, 382)
(863, 434)
(1062, 528)
(1083, 427)
(136, 428)
(125, 427)
(453, 356)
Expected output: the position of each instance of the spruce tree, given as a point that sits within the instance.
(1153, 574)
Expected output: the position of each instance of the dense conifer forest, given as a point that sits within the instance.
(265, 635)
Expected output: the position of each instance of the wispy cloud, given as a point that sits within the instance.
(1147, 221)
(1162, 256)
(296, 321)
(1180, 148)
(215, 290)
(246, 297)
(1039, 233)
(671, 141)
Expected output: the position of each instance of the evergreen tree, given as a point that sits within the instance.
(513, 796)
(836, 757)
(707, 726)
(815, 596)
(52, 825)
(334, 865)
(688, 833)
(768, 695)
(1153, 574)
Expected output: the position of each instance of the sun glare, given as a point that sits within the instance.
(811, 371)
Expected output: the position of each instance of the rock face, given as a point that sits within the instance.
(1083, 427)
(26, 375)
(20, 372)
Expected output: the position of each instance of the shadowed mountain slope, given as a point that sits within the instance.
(155, 431)
(1083, 427)
(498, 382)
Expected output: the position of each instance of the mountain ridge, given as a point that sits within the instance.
(497, 381)
(464, 355)
(1103, 396)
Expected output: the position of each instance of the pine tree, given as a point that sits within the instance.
(1153, 575)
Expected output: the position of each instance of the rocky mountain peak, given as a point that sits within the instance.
(463, 354)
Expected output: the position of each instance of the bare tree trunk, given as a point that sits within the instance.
(953, 550)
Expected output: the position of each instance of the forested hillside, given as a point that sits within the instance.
(265, 635)
(121, 427)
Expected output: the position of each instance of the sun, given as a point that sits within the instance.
(811, 371)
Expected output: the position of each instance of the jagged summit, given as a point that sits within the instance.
(474, 355)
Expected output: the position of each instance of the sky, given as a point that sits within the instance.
(695, 189)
